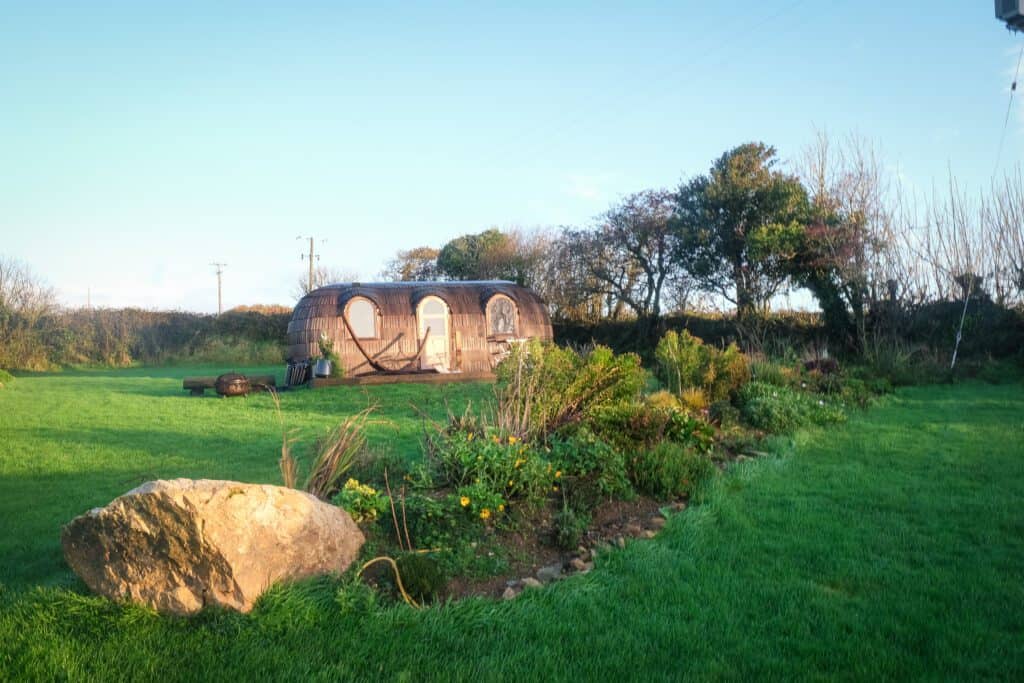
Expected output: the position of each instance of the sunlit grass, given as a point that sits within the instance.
(892, 547)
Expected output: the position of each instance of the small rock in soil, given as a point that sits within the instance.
(633, 530)
(620, 541)
(679, 507)
(657, 521)
(650, 533)
(578, 564)
(550, 573)
(509, 593)
(530, 582)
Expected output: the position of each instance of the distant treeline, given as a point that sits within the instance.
(123, 336)
(989, 329)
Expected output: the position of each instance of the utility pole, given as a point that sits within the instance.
(311, 255)
(220, 271)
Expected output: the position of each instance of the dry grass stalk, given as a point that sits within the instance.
(288, 465)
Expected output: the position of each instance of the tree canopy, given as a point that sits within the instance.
(739, 224)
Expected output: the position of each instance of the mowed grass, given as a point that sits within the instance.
(892, 547)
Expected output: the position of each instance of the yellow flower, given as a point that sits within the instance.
(495, 439)
(501, 508)
(554, 488)
(512, 440)
(510, 482)
(558, 473)
(485, 514)
(519, 461)
(469, 437)
(464, 501)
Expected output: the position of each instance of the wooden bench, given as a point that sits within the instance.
(198, 385)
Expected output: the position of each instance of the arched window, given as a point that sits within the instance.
(501, 316)
(362, 318)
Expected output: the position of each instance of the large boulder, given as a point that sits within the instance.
(183, 544)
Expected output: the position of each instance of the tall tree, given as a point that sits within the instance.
(489, 255)
(846, 259)
(739, 226)
(628, 258)
(416, 264)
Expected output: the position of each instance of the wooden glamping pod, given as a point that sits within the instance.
(414, 328)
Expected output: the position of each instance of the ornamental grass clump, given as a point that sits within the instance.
(335, 454)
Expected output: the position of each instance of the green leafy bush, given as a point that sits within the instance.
(670, 470)
(363, 502)
(422, 576)
(631, 427)
(724, 414)
(488, 466)
(781, 410)
(588, 469)
(685, 361)
(544, 387)
(570, 525)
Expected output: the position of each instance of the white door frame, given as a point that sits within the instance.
(437, 350)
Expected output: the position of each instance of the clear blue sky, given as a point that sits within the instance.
(139, 142)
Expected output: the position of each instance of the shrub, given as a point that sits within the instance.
(770, 372)
(362, 501)
(489, 468)
(684, 361)
(544, 387)
(588, 469)
(664, 400)
(438, 522)
(670, 470)
(422, 576)
(631, 427)
(724, 414)
(570, 526)
(781, 410)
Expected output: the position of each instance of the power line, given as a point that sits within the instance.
(1009, 106)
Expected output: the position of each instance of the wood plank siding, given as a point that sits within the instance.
(471, 346)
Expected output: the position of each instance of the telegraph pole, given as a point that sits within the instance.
(220, 271)
(311, 256)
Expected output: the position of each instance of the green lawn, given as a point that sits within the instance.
(891, 547)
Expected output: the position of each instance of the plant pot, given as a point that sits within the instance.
(322, 368)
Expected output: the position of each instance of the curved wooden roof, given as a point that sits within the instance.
(401, 298)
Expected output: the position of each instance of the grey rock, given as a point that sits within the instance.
(550, 573)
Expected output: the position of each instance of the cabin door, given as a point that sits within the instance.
(433, 315)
